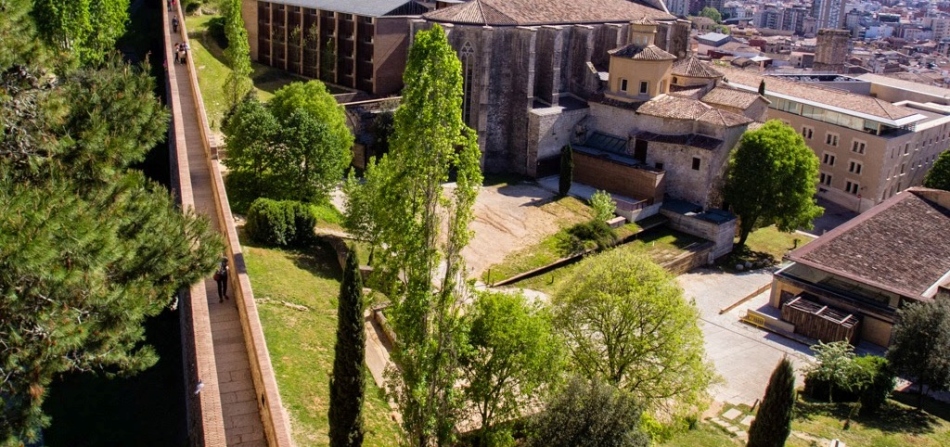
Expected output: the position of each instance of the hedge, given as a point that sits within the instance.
(280, 223)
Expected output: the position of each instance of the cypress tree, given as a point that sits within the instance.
(762, 87)
(346, 383)
(773, 421)
(567, 170)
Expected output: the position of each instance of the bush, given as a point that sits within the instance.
(879, 384)
(280, 223)
(603, 205)
(595, 234)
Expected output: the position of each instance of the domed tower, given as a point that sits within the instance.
(640, 70)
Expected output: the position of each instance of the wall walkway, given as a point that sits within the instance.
(233, 394)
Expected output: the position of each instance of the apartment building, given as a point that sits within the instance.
(869, 149)
(361, 45)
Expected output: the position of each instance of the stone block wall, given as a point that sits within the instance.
(721, 234)
(549, 129)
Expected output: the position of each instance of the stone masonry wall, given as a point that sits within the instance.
(720, 234)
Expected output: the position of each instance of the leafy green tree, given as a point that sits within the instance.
(604, 205)
(773, 421)
(567, 170)
(295, 147)
(627, 323)
(711, 13)
(938, 177)
(513, 352)
(771, 180)
(88, 28)
(921, 345)
(878, 383)
(418, 231)
(18, 34)
(88, 247)
(589, 413)
(835, 368)
(346, 384)
(237, 54)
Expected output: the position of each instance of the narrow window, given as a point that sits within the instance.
(696, 163)
(623, 85)
(468, 70)
(643, 87)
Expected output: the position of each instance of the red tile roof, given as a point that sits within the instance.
(545, 12)
(901, 245)
(640, 53)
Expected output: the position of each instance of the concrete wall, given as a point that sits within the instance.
(655, 73)
(629, 181)
(640, 214)
(390, 50)
(721, 235)
(249, 14)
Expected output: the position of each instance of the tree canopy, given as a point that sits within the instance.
(711, 13)
(89, 248)
(295, 147)
(417, 229)
(938, 177)
(626, 322)
(921, 345)
(772, 180)
(589, 413)
(513, 351)
(87, 28)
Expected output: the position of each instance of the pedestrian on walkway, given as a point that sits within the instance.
(169, 4)
(182, 55)
(177, 49)
(221, 277)
(175, 24)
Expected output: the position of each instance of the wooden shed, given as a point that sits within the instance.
(821, 322)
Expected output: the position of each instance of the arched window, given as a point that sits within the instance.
(467, 57)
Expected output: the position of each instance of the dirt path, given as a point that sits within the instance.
(509, 218)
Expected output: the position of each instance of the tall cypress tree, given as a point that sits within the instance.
(762, 87)
(773, 422)
(567, 170)
(347, 384)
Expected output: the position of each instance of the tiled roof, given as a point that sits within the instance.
(545, 12)
(731, 97)
(674, 107)
(369, 8)
(647, 53)
(699, 141)
(831, 97)
(692, 67)
(900, 245)
(905, 84)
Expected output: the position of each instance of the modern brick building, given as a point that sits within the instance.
(862, 272)
(356, 44)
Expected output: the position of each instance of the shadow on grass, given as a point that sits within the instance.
(891, 418)
(743, 255)
(931, 405)
(318, 258)
(665, 235)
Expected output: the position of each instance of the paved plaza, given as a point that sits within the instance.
(743, 355)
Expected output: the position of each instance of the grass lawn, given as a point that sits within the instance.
(208, 57)
(897, 425)
(301, 341)
(660, 244)
(704, 435)
(774, 242)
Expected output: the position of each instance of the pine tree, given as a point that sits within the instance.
(347, 383)
(773, 422)
(567, 170)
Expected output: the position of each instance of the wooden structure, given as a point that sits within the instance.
(818, 321)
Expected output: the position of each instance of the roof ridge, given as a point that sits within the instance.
(481, 12)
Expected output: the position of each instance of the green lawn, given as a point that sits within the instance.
(208, 57)
(898, 425)
(661, 244)
(301, 341)
(705, 435)
(774, 242)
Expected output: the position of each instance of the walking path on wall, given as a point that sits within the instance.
(242, 417)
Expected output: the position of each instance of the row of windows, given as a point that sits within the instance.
(850, 186)
(832, 139)
(644, 85)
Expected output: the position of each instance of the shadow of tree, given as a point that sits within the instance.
(891, 418)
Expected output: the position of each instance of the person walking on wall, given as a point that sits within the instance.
(221, 277)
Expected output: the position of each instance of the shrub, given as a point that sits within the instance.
(595, 234)
(604, 206)
(878, 385)
(280, 223)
